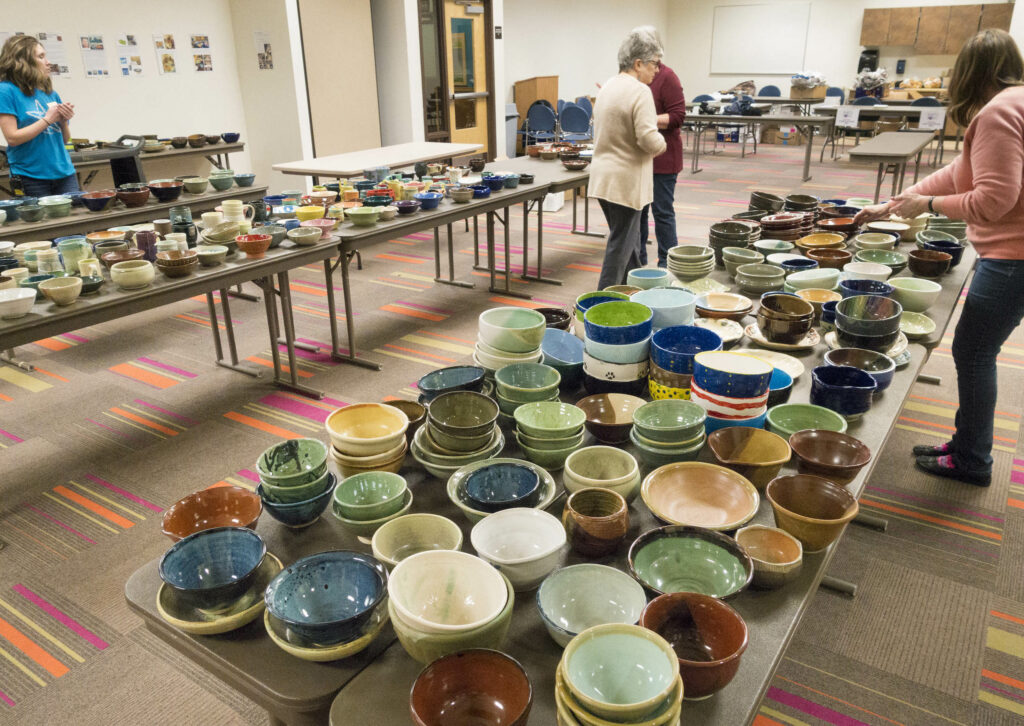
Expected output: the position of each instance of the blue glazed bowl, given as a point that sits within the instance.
(589, 299)
(779, 387)
(11, 207)
(511, 180)
(230, 137)
(670, 305)
(952, 248)
(843, 389)
(364, 184)
(798, 265)
(452, 378)
(828, 312)
(837, 202)
(673, 348)
(407, 206)
(75, 197)
(842, 209)
(868, 315)
(618, 323)
(849, 288)
(7, 263)
(299, 514)
(212, 569)
(480, 191)
(495, 183)
(244, 180)
(428, 200)
(563, 351)
(877, 365)
(93, 201)
(500, 486)
(731, 375)
(713, 423)
(612, 353)
(648, 277)
(327, 598)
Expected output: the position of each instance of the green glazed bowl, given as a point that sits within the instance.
(363, 216)
(678, 558)
(299, 493)
(525, 382)
(669, 420)
(788, 418)
(369, 495)
(618, 314)
(220, 183)
(549, 444)
(550, 459)
(892, 259)
(367, 528)
(292, 462)
(549, 419)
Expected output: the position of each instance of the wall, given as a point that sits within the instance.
(176, 104)
(396, 45)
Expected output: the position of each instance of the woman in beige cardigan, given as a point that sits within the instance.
(626, 140)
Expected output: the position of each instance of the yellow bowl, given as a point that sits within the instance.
(304, 214)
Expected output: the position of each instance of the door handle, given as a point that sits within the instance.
(474, 94)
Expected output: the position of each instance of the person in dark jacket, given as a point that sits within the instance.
(670, 106)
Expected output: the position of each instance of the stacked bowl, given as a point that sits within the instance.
(549, 431)
(617, 342)
(508, 335)
(672, 353)
(589, 299)
(801, 203)
(578, 597)
(757, 279)
(784, 318)
(669, 305)
(367, 437)
(295, 485)
(521, 383)
(669, 430)
(733, 233)
(690, 262)
(525, 544)
(733, 257)
(868, 321)
(788, 226)
(766, 201)
(363, 502)
(563, 351)
(732, 388)
(603, 467)
(461, 428)
(452, 378)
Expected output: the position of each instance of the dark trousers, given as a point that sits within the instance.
(46, 187)
(994, 307)
(664, 219)
(622, 251)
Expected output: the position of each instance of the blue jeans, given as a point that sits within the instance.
(994, 307)
(46, 187)
(664, 219)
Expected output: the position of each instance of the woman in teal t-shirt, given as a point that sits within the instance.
(34, 120)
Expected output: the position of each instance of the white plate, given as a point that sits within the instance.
(809, 341)
(728, 330)
(899, 347)
(788, 363)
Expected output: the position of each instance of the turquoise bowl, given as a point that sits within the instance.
(300, 513)
(678, 558)
(369, 495)
(293, 462)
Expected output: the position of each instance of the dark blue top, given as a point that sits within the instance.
(44, 157)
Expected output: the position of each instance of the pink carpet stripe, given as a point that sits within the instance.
(6, 699)
(62, 617)
(418, 257)
(420, 306)
(812, 709)
(944, 542)
(1017, 477)
(76, 338)
(169, 369)
(322, 357)
(419, 236)
(250, 475)
(59, 523)
(12, 437)
(1012, 696)
(186, 419)
(1019, 462)
(108, 428)
(937, 505)
(127, 495)
(298, 408)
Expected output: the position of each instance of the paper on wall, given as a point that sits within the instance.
(264, 53)
(164, 46)
(129, 57)
(56, 53)
(94, 56)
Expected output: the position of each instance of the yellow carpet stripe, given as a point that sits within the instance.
(779, 716)
(108, 500)
(394, 284)
(946, 413)
(18, 614)
(22, 667)
(126, 422)
(147, 413)
(439, 344)
(929, 525)
(1004, 642)
(23, 380)
(244, 483)
(79, 512)
(281, 416)
(157, 371)
(1000, 702)
(431, 364)
(40, 531)
(413, 276)
(901, 503)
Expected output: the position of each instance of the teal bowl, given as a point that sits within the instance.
(222, 183)
(678, 558)
(369, 495)
(293, 462)
(300, 513)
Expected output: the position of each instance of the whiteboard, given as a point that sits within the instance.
(768, 39)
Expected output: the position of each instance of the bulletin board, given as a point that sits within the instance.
(768, 39)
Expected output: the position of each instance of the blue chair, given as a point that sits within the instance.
(836, 91)
(926, 101)
(584, 103)
(770, 91)
(574, 123)
(702, 98)
(540, 123)
(561, 105)
(937, 152)
(865, 101)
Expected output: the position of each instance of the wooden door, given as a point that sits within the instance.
(467, 50)
(996, 17)
(963, 24)
(932, 30)
(903, 26)
(874, 29)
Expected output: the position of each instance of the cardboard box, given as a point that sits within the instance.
(900, 95)
(770, 135)
(816, 92)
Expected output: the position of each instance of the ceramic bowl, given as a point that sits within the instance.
(874, 241)
(416, 413)
(212, 568)
(91, 284)
(669, 421)
(853, 287)
(130, 198)
(456, 485)
(512, 329)
(369, 496)
(618, 323)
(579, 597)
(211, 255)
(412, 533)
(277, 233)
(619, 672)
(830, 258)
(868, 315)
(648, 277)
(526, 382)
(304, 236)
(788, 418)
(674, 348)
(698, 494)
(690, 559)
(452, 378)
(812, 509)
(915, 295)
(707, 635)
(446, 591)
(835, 456)
(166, 190)
(723, 305)
(366, 528)
(596, 521)
(472, 685)
(733, 375)
(929, 263)
(769, 246)
(61, 290)
(228, 506)
(844, 389)
(221, 233)
(526, 545)
(120, 255)
(326, 226)
(16, 302)
(877, 365)
(823, 279)
(365, 429)
(895, 261)
(293, 462)
(97, 201)
(328, 597)
(132, 274)
(608, 416)
(550, 458)
(32, 283)
(605, 467)
(755, 454)
(195, 184)
(617, 353)
(784, 318)
(776, 554)
(669, 305)
(880, 343)
(549, 419)
(462, 414)
(495, 487)
(863, 270)
(296, 509)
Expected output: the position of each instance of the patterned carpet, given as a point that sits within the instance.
(120, 420)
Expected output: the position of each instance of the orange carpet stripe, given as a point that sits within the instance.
(933, 520)
(53, 344)
(398, 258)
(284, 367)
(1016, 503)
(1006, 680)
(311, 311)
(16, 638)
(5, 397)
(145, 421)
(402, 242)
(517, 302)
(419, 352)
(198, 320)
(839, 700)
(262, 426)
(221, 483)
(584, 268)
(412, 313)
(51, 375)
(927, 423)
(308, 290)
(1006, 616)
(141, 374)
(94, 507)
(41, 544)
(446, 337)
(760, 720)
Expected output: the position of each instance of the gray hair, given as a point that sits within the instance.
(642, 44)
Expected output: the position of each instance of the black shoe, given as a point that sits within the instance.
(929, 450)
(943, 466)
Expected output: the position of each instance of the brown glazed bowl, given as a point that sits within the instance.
(756, 454)
(830, 257)
(133, 198)
(829, 454)
(555, 318)
(708, 636)
(109, 258)
(812, 509)
(596, 521)
(533, 150)
(610, 415)
(175, 258)
(929, 263)
(777, 555)
(416, 412)
(574, 164)
(214, 507)
(179, 142)
(472, 686)
(253, 245)
(196, 140)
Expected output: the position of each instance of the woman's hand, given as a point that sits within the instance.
(873, 213)
(909, 205)
(53, 114)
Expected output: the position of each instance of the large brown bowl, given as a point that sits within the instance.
(133, 198)
(215, 507)
(929, 263)
(109, 258)
(756, 454)
(812, 509)
(708, 636)
(610, 415)
(470, 687)
(832, 258)
(829, 454)
(172, 258)
(596, 521)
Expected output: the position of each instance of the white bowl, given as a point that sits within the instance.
(445, 591)
(494, 362)
(525, 544)
(915, 294)
(517, 330)
(614, 371)
(132, 274)
(728, 407)
(575, 598)
(866, 271)
(821, 277)
(874, 241)
(16, 302)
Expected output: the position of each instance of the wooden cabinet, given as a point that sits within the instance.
(932, 30)
(903, 26)
(963, 24)
(875, 28)
(527, 91)
(996, 17)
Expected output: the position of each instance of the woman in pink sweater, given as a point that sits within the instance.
(985, 187)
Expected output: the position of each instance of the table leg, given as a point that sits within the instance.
(507, 290)
(451, 262)
(526, 240)
(897, 176)
(289, 336)
(917, 166)
(8, 357)
(878, 181)
(539, 277)
(350, 327)
(229, 330)
(698, 135)
(807, 152)
(237, 292)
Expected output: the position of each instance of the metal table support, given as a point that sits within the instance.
(229, 331)
(350, 328)
(283, 292)
(586, 214)
(539, 277)
(451, 260)
(491, 253)
(7, 356)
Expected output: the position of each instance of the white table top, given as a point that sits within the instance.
(353, 163)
